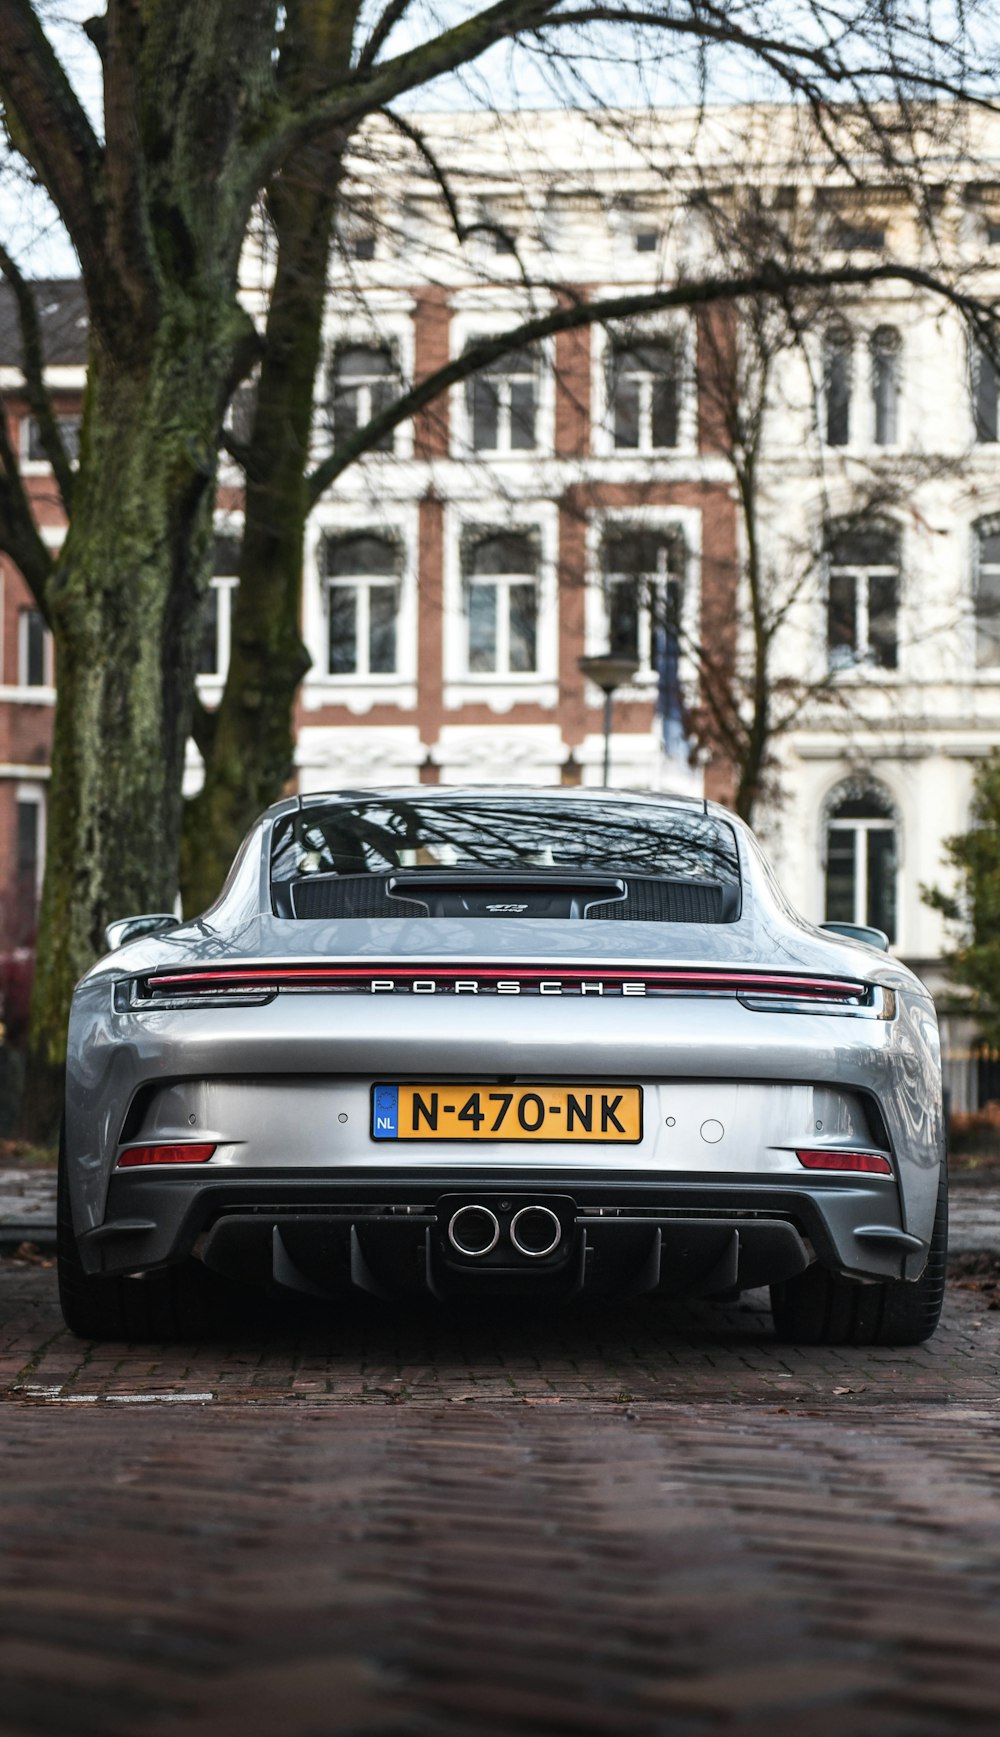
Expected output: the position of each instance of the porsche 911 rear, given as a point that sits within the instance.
(533, 1043)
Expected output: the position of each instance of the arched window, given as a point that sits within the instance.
(885, 347)
(838, 373)
(862, 856)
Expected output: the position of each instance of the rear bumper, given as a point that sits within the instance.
(387, 1232)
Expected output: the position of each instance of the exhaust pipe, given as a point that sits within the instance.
(535, 1231)
(474, 1231)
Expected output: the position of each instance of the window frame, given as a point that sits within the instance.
(683, 523)
(880, 352)
(504, 583)
(978, 359)
(682, 335)
(481, 313)
(24, 616)
(362, 585)
(505, 415)
(30, 795)
(862, 574)
(982, 528)
(365, 384)
(500, 692)
(41, 466)
(224, 587)
(341, 519)
(647, 379)
(861, 827)
(661, 583)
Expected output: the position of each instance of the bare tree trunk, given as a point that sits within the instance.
(249, 743)
(758, 729)
(124, 604)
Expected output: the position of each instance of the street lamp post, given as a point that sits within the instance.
(608, 673)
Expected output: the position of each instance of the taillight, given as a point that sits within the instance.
(178, 1154)
(871, 1161)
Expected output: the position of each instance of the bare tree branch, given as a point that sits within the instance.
(771, 279)
(19, 535)
(346, 104)
(49, 128)
(33, 368)
(382, 31)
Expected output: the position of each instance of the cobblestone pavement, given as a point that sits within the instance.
(645, 1520)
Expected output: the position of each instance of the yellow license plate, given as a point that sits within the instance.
(537, 1112)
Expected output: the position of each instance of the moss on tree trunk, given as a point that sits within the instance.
(124, 606)
(250, 749)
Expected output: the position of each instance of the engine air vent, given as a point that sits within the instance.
(327, 896)
(655, 901)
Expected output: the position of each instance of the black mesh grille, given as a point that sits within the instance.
(349, 896)
(648, 901)
(664, 902)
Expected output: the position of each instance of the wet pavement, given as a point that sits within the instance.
(643, 1519)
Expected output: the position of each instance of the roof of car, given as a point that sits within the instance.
(498, 793)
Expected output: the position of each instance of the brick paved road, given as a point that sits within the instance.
(642, 1520)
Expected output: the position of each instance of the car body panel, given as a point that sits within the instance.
(272, 1081)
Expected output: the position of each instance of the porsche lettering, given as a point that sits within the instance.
(503, 986)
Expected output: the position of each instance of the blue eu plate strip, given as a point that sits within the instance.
(385, 1113)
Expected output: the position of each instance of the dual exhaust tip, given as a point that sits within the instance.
(535, 1231)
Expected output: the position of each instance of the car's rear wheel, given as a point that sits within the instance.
(818, 1307)
(172, 1304)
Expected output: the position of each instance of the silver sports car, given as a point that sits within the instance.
(508, 1042)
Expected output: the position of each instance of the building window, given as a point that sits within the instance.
(643, 587)
(242, 412)
(32, 449)
(647, 240)
(363, 247)
(644, 395)
(860, 237)
(838, 374)
(500, 574)
(885, 352)
(861, 858)
(29, 862)
(986, 594)
(863, 597)
(33, 650)
(362, 577)
(502, 404)
(215, 637)
(364, 381)
(985, 395)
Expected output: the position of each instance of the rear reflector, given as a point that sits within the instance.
(872, 1161)
(186, 1154)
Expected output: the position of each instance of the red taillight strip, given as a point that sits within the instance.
(732, 982)
(874, 1162)
(180, 1153)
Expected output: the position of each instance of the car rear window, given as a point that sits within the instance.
(382, 835)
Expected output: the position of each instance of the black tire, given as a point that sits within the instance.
(818, 1307)
(175, 1303)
